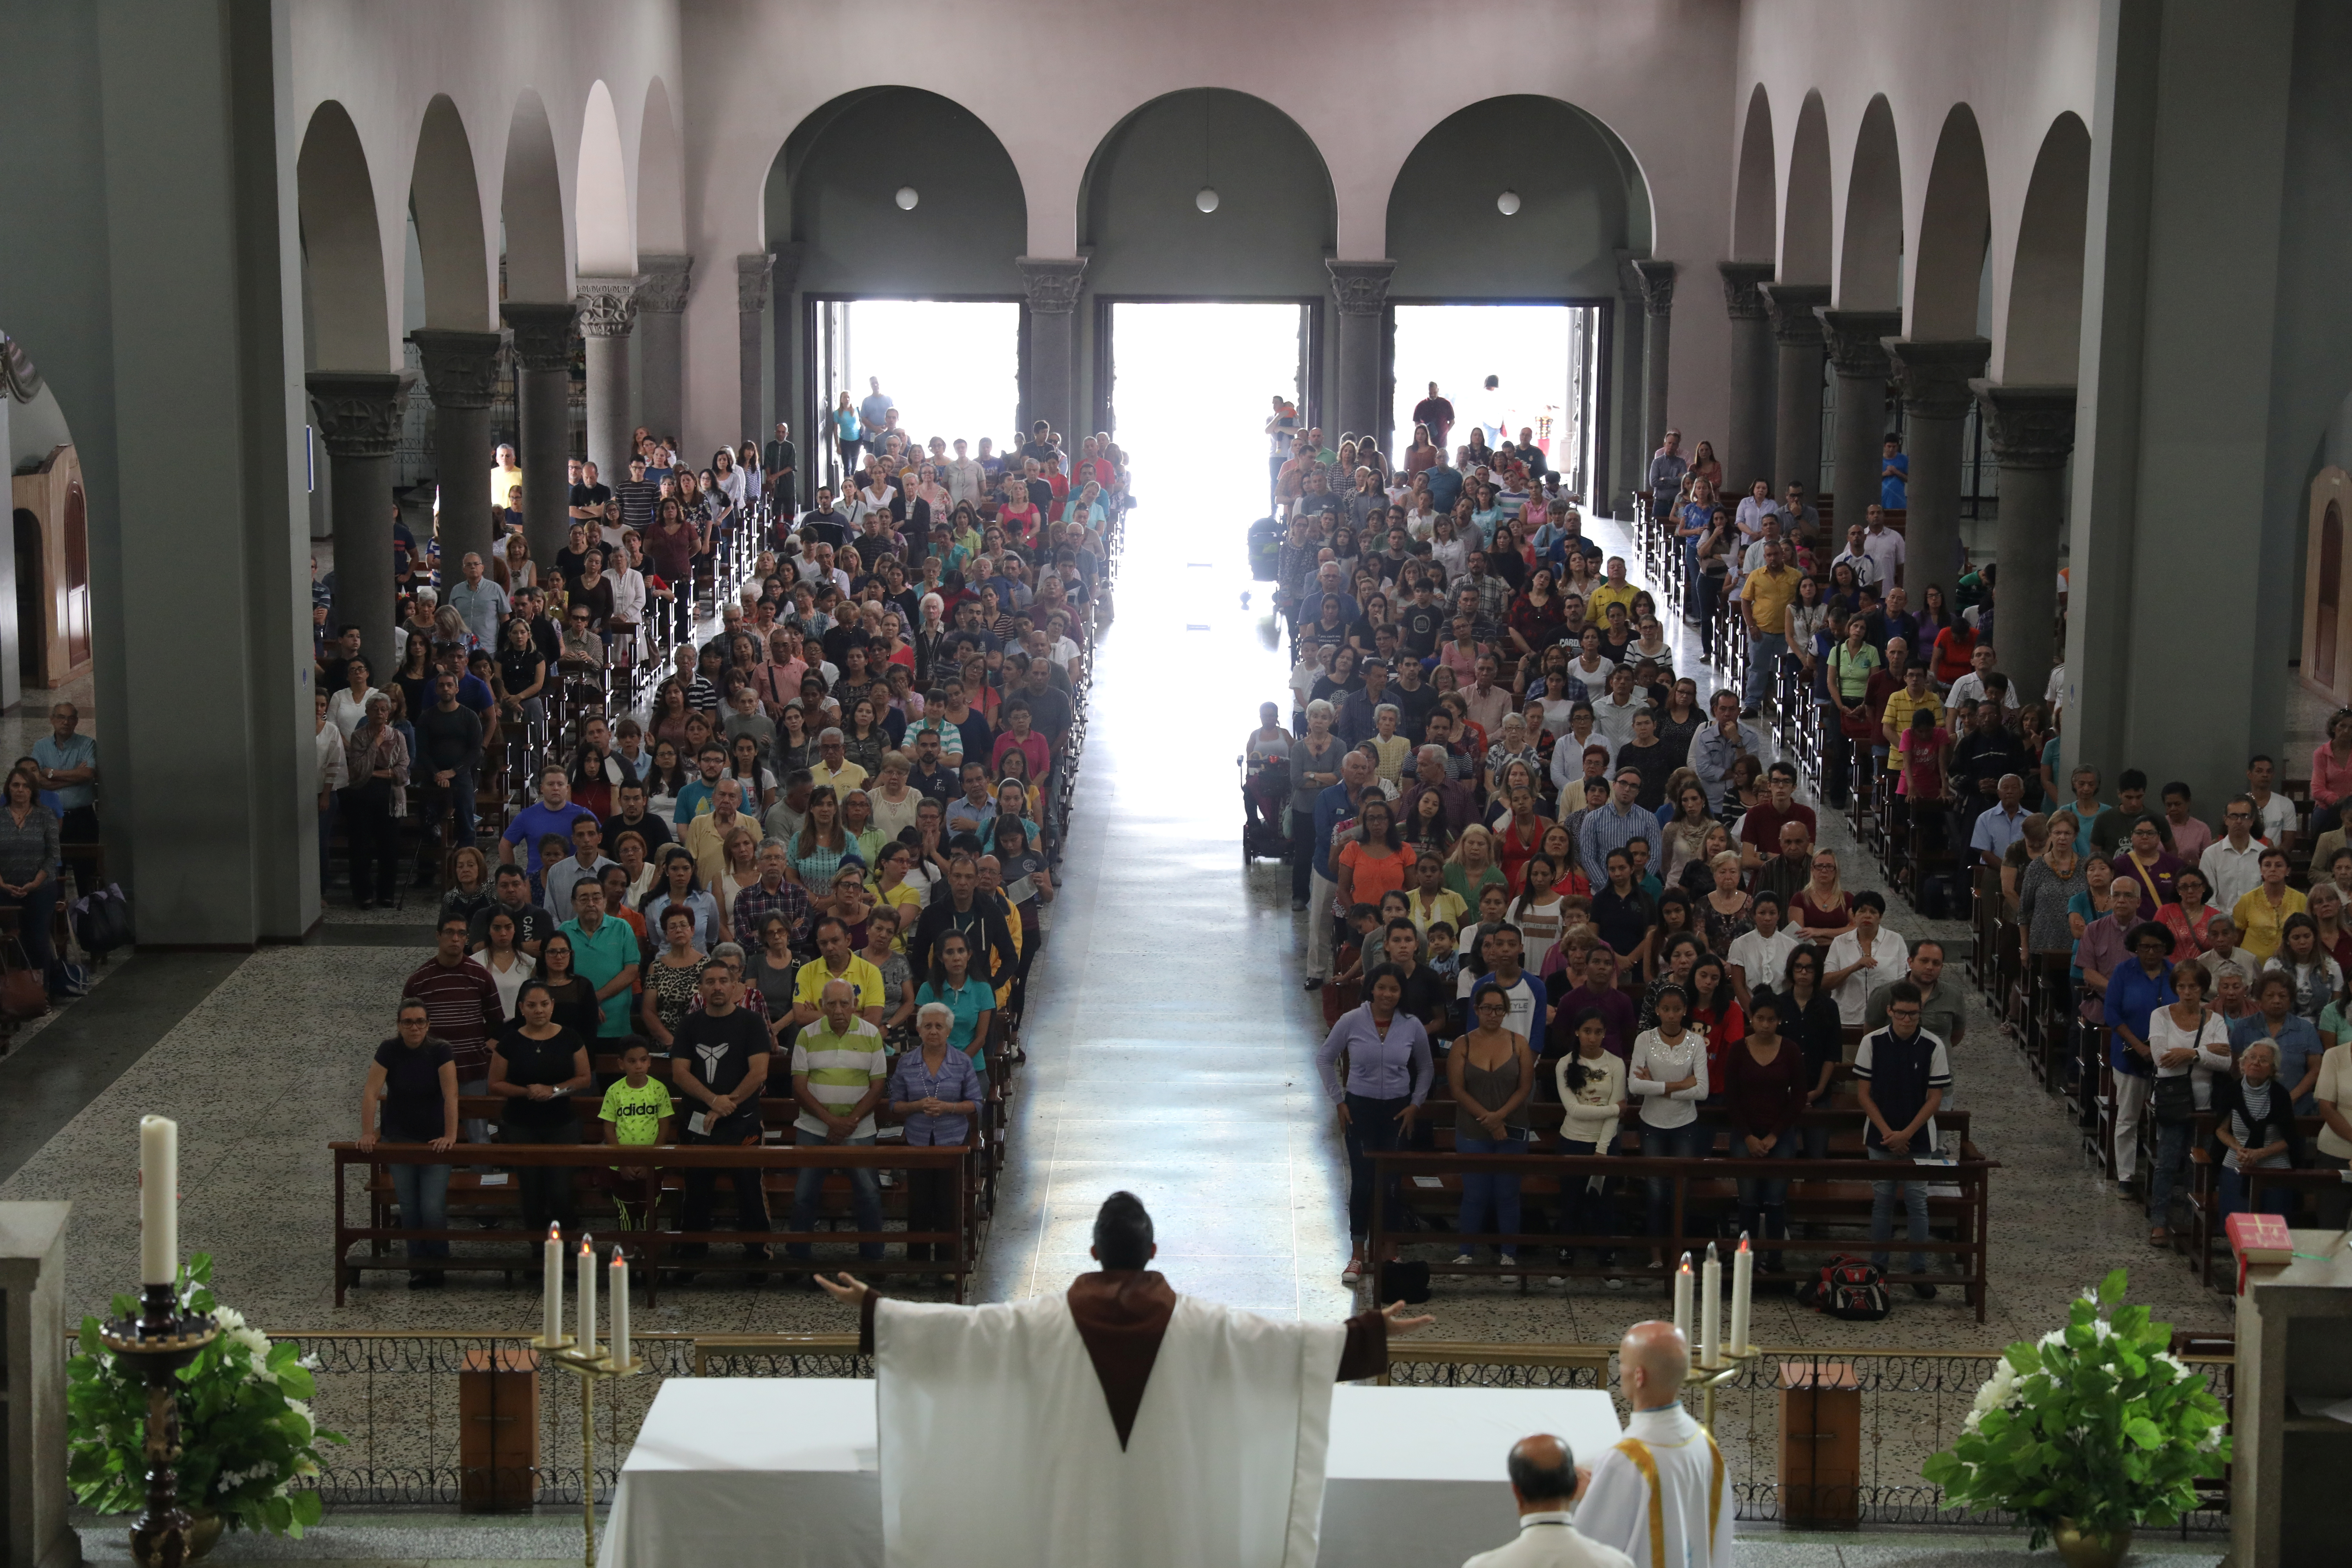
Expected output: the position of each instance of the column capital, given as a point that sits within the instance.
(1051, 282)
(1360, 288)
(1933, 377)
(751, 274)
(1743, 283)
(608, 306)
(542, 333)
(356, 413)
(663, 283)
(1857, 339)
(1794, 324)
(2027, 427)
(786, 267)
(461, 369)
(1658, 285)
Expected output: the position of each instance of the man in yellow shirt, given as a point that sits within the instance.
(835, 960)
(833, 769)
(504, 476)
(1916, 694)
(1615, 590)
(705, 837)
(1764, 600)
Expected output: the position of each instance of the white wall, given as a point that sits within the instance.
(2018, 63)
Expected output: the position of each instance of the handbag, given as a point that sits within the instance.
(2173, 1100)
(24, 993)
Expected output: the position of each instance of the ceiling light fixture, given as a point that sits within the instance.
(1507, 202)
(906, 198)
(1205, 198)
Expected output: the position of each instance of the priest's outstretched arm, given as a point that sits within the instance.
(1366, 1354)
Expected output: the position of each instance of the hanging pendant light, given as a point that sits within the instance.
(1507, 202)
(906, 198)
(1205, 198)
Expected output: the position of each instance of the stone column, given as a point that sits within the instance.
(461, 372)
(661, 298)
(1856, 348)
(750, 305)
(608, 310)
(1797, 397)
(1361, 291)
(1934, 381)
(542, 359)
(1746, 449)
(2031, 432)
(1052, 283)
(1658, 309)
(357, 420)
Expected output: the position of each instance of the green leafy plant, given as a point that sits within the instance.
(246, 1431)
(2097, 1423)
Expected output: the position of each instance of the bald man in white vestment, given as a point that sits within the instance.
(1119, 1424)
(1659, 1495)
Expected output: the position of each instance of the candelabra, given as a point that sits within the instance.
(154, 1346)
(587, 1362)
(1707, 1379)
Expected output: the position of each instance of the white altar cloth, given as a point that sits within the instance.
(781, 1473)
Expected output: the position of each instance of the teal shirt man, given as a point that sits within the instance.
(599, 957)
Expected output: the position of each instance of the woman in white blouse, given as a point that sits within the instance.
(2186, 1039)
(1592, 1085)
(348, 706)
(1865, 958)
(874, 495)
(1668, 1077)
(509, 966)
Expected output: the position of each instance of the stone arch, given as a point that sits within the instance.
(342, 246)
(1870, 250)
(446, 200)
(1955, 226)
(1805, 223)
(607, 243)
(1582, 199)
(531, 202)
(1276, 218)
(661, 176)
(2041, 336)
(1755, 207)
(832, 188)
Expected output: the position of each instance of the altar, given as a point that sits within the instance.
(781, 1472)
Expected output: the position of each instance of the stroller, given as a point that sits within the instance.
(1265, 811)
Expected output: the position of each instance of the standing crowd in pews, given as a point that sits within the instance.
(791, 862)
(1562, 898)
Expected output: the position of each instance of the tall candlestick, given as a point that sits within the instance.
(1710, 1311)
(1743, 1287)
(620, 1309)
(587, 1296)
(159, 1200)
(1683, 1296)
(550, 1269)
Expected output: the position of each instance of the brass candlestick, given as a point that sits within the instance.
(1707, 1379)
(157, 1344)
(587, 1362)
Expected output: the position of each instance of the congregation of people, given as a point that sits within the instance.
(809, 854)
(1540, 862)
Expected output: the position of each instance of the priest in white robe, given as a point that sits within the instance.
(1660, 1496)
(1120, 1424)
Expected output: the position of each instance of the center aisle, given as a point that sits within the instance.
(1170, 1049)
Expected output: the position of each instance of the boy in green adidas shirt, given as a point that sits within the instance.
(636, 1111)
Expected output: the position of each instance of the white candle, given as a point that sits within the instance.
(620, 1309)
(1683, 1296)
(587, 1296)
(1743, 1287)
(550, 1269)
(159, 1200)
(1710, 1311)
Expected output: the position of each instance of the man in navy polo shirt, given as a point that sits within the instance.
(1900, 1075)
(553, 813)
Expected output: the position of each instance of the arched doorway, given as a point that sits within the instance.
(32, 645)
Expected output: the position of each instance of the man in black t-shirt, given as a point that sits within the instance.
(1421, 623)
(588, 497)
(719, 1065)
(824, 523)
(638, 496)
(512, 896)
(633, 817)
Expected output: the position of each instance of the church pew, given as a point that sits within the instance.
(1831, 1192)
(670, 1162)
(2202, 1179)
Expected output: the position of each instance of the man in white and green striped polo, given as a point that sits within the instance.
(839, 1072)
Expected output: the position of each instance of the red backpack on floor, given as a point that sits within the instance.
(1850, 1289)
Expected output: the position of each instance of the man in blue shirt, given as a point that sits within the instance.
(553, 813)
(2135, 991)
(69, 765)
(1893, 474)
(1444, 485)
(1619, 823)
(874, 409)
(1334, 809)
(480, 600)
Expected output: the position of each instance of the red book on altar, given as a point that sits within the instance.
(2258, 1238)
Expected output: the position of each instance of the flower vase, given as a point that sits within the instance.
(204, 1534)
(2085, 1549)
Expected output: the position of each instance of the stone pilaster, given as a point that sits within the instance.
(1657, 279)
(1933, 378)
(1361, 291)
(2030, 430)
(1053, 284)
(1858, 352)
(663, 286)
(542, 359)
(461, 373)
(1796, 402)
(608, 315)
(751, 274)
(1746, 449)
(357, 417)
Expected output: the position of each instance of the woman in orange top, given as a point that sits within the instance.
(1373, 861)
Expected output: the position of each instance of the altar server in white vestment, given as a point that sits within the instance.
(1544, 1482)
(1660, 1495)
(1120, 1424)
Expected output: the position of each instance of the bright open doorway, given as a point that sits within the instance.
(1192, 385)
(951, 367)
(1543, 359)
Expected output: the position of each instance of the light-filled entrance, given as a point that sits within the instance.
(1544, 362)
(951, 367)
(1192, 385)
